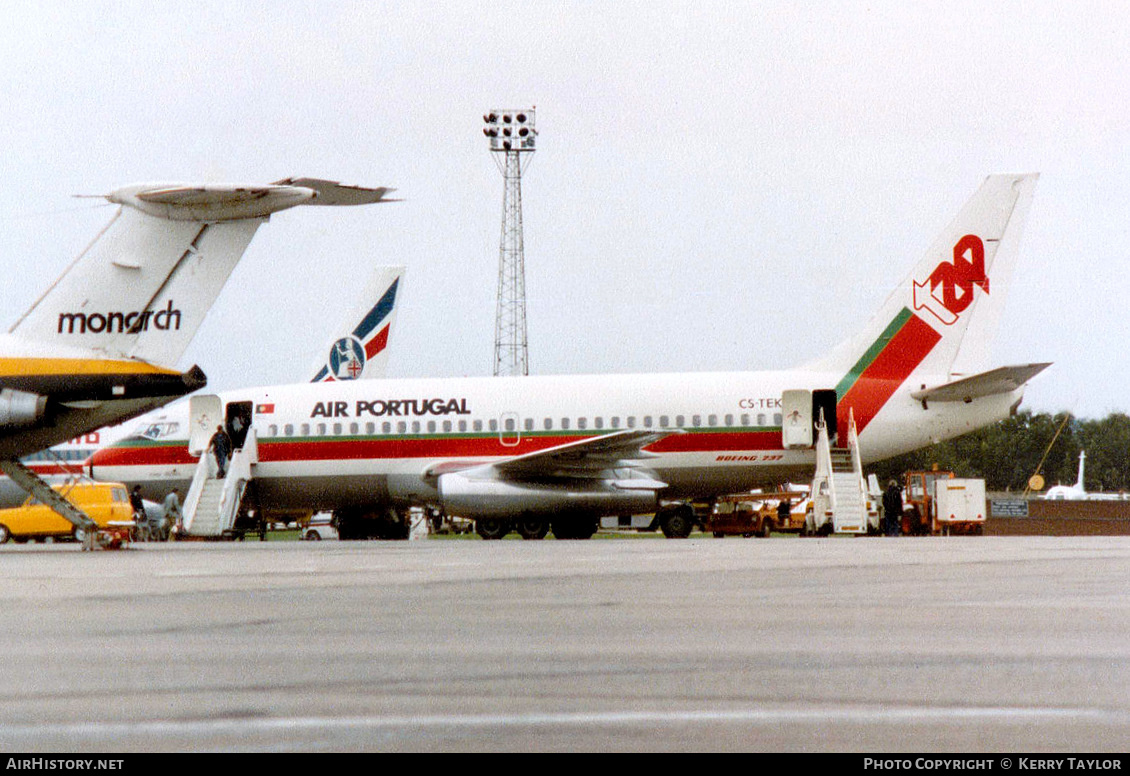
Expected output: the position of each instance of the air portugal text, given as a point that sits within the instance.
(382, 408)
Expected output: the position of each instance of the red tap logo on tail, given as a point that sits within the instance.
(956, 281)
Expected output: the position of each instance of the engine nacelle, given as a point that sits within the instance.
(474, 498)
(20, 408)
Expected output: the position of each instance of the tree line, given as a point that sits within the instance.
(1008, 453)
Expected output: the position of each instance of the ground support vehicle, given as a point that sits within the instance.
(319, 527)
(106, 503)
(750, 514)
(935, 502)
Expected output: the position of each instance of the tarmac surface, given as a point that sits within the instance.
(973, 644)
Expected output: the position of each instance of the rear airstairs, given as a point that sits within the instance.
(839, 489)
(212, 504)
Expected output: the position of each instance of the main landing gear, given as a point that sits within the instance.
(535, 528)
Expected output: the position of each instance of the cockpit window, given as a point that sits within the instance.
(160, 430)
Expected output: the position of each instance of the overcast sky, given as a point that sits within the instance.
(718, 186)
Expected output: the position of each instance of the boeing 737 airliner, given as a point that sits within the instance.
(535, 454)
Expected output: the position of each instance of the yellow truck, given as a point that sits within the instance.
(103, 502)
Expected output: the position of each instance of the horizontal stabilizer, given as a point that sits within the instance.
(334, 193)
(1006, 379)
(217, 202)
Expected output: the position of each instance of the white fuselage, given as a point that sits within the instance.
(322, 446)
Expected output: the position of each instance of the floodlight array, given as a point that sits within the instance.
(510, 130)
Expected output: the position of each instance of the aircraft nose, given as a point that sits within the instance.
(96, 459)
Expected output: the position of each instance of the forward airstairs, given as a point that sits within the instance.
(212, 504)
(839, 489)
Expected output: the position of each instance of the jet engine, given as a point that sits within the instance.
(20, 408)
(468, 497)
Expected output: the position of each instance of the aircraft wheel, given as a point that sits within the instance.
(312, 536)
(491, 528)
(564, 529)
(576, 527)
(532, 528)
(585, 528)
(766, 529)
(79, 534)
(676, 524)
(5, 534)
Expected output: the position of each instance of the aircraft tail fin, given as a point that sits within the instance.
(360, 349)
(143, 286)
(940, 320)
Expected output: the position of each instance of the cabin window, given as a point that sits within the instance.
(647, 421)
(447, 427)
(565, 423)
(761, 418)
(478, 425)
(493, 424)
(529, 423)
(415, 427)
(680, 421)
(337, 429)
(321, 427)
(462, 425)
(712, 420)
(431, 426)
(510, 425)
(288, 429)
(615, 421)
(305, 429)
(631, 421)
(386, 427)
(401, 427)
(696, 421)
(745, 419)
(548, 424)
(598, 422)
(582, 422)
(777, 419)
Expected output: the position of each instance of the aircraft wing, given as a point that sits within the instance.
(1003, 380)
(590, 458)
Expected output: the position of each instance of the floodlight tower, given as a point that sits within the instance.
(512, 136)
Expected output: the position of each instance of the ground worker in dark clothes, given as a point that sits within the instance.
(220, 445)
(892, 509)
